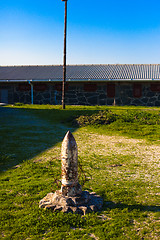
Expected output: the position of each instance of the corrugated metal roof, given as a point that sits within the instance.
(82, 72)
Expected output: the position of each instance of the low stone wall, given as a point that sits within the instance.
(120, 93)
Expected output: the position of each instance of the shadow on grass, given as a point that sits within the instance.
(61, 116)
(119, 205)
(112, 205)
(27, 132)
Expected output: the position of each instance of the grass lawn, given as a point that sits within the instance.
(120, 158)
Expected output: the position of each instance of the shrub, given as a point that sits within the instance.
(108, 117)
(100, 118)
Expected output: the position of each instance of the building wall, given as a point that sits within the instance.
(144, 94)
(119, 93)
(114, 93)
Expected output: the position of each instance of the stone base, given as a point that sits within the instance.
(84, 203)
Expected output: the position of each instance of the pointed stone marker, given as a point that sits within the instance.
(71, 198)
(69, 159)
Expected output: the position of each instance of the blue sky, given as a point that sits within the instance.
(98, 32)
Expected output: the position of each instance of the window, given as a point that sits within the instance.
(155, 87)
(111, 90)
(24, 87)
(58, 87)
(137, 90)
(90, 87)
(40, 87)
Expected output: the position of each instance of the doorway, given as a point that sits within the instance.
(4, 96)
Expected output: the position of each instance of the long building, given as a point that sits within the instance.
(107, 84)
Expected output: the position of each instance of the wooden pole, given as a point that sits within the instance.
(64, 58)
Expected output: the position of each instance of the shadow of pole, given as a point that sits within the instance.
(24, 135)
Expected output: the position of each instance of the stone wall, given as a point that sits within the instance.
(76, 95)
(23, 94)
(120, 93)
(124, 95)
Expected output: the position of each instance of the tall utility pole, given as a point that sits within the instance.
(64, 56)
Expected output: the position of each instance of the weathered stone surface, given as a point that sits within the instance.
(93, 208)
(71, 198)
(69, 160)
(82, 204)
(157, 103)
(67, 210)
(58, 208)
(84, 209)
(93, 100)
(50, 206)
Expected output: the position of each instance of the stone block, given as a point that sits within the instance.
(90, 95)
(72, 88)
(153, 99)
(126, 101)
(72, 101)
(137, 102)
(93, 100)
(37, 97)
(81, 99)
(144, 100)
(46, 95)
(110, 101)
(46, 101)
(102, 101)
(102, 96)
(150, 94)
(157, 103)
(118, 101)
(70, 95)
(83, 103)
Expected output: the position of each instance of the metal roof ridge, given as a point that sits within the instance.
(108, 64)
(31, 65)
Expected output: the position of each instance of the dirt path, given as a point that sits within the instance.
(142, 155)
(106, 145)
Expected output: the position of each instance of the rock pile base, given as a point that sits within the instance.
(84, 203)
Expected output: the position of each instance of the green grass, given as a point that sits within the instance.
(123, 170)
(132, 121)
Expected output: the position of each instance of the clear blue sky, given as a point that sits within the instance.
(99, 32)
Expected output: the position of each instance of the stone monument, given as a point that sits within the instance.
(71, 198)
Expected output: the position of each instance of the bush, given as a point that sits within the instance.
(100, 118)
(108, 117)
